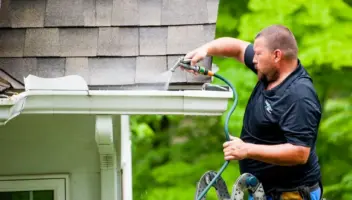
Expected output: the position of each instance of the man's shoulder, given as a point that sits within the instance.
(302, 89)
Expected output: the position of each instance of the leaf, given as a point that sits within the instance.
(143, 131)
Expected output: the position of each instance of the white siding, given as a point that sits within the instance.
(49, 144)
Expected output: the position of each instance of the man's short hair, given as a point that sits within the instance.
(280, 37)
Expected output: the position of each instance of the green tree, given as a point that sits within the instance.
(321, 27)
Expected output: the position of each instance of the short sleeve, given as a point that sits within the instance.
(300, 122)
(248, 57)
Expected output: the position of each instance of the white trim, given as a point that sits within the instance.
(58, 183)
(126, 158)
(107, 151)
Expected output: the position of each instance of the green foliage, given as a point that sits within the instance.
(229, 14)
(169, 165)
(170, 153)
(339, 112)
(335, 139)
(321, 27)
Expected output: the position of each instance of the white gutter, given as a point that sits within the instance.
(70, 95)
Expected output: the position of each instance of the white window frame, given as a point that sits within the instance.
(57, 183)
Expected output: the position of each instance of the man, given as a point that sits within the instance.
(280, 126)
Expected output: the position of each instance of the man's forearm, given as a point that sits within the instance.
(282, 154)
(227, 47)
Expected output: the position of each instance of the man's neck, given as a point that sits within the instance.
(287, 68)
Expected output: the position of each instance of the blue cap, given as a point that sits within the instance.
(251, 181)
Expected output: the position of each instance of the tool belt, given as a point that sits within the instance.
(298, 193)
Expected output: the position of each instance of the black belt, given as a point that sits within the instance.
(304, 191)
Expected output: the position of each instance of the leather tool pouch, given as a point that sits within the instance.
(299, 193)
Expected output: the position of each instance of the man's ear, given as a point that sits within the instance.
(278, 54)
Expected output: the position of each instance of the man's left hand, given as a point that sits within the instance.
(235, 149)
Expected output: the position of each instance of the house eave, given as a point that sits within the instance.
(110, 102)
(71, 95)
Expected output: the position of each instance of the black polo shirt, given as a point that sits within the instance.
(288, 113)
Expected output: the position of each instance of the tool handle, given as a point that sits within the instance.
(186, 64)
(189, 67)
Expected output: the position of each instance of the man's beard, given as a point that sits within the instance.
(269, 77)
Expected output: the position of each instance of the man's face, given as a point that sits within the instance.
(264, 61)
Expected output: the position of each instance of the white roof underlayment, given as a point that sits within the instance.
(71, 95)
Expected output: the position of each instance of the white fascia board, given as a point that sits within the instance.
(70, 95)
(115, 103)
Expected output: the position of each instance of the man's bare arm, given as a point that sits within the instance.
(281, 154)
(222, 47)
(227, 47)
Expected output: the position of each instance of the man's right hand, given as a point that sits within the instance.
(196, 55)
(224, 47)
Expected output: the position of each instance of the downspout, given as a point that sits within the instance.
(108, 161)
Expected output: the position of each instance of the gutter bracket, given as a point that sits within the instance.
(107, 151)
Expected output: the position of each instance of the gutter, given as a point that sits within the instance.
(70, 95)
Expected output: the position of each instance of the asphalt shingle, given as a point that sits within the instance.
(125, 12)
(5, 19)
(149, 69)
(78, 41)
(182, 39)
(77, 66)
(178, 76)
(213, 7)
(42, 42)
(51, 67)
(103, 12)
(64, 13)
(147, 38)
(11, 42)
(26, 13)
(111, 71)
(184, 12)
(118, 41)
(89, 12)
(150, 12)
(19, 67)
(209, 32)
(153, 40)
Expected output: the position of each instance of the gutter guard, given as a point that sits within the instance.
(70, 95)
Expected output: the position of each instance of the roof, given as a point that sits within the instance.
(107, 42)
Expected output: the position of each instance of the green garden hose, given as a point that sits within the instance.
(202, 70)
(227, 134)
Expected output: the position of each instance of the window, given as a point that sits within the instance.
(34, 188)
